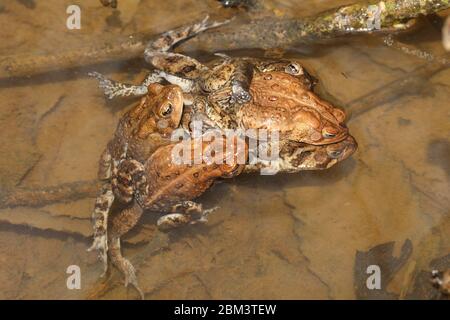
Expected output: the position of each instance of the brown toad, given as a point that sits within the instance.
(136, 167)
(163, 186)
(139, 133)
(223, 89)
(295, 157)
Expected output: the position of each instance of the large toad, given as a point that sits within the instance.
(227, 92)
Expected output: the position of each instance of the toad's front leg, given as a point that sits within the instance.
(240, 81)
(120, 225)
(191, 213)
(113, 89)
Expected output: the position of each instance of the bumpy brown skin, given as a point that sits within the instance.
(170, 183)
(132, 164)
(281, 102)
(250, 93)
(220, 91)
(223, 88)
(165, 187)
(139, 132)
(214, 90)
(296, 157)
(145, 128)
(281, 98)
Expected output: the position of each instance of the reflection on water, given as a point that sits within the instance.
(308, 235)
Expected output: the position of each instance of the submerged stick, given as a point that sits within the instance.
(120, 48)
(367, 17)
(363, 17)
(412, 83)
(38, 197)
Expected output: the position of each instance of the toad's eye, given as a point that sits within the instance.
(166, 110)
(329, 132)
(334, 153)
(294, 68)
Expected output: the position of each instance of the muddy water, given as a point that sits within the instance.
(308, 235)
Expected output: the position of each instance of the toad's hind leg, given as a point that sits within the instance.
(120, 225)
(105, 165)
(168, 64)
(170, 38)
(103, 203)
(191, 213)
(100, 221)
(171, 63)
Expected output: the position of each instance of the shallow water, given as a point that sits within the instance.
(307, 235)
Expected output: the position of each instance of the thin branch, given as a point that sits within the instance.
(38, 197)
(120, 48)
(363, 17)
(366, 17)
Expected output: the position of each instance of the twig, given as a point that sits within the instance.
(119, 48)
(412, 83)
(364, 17)
(42, 196)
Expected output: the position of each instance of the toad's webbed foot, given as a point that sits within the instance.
(120, 225)
(192, 213)
(130, 277)
(125, 266)
(112, 88)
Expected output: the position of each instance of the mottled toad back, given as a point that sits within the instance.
(283, 103)
(166, 185)
(139, 133)
(229, 91)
